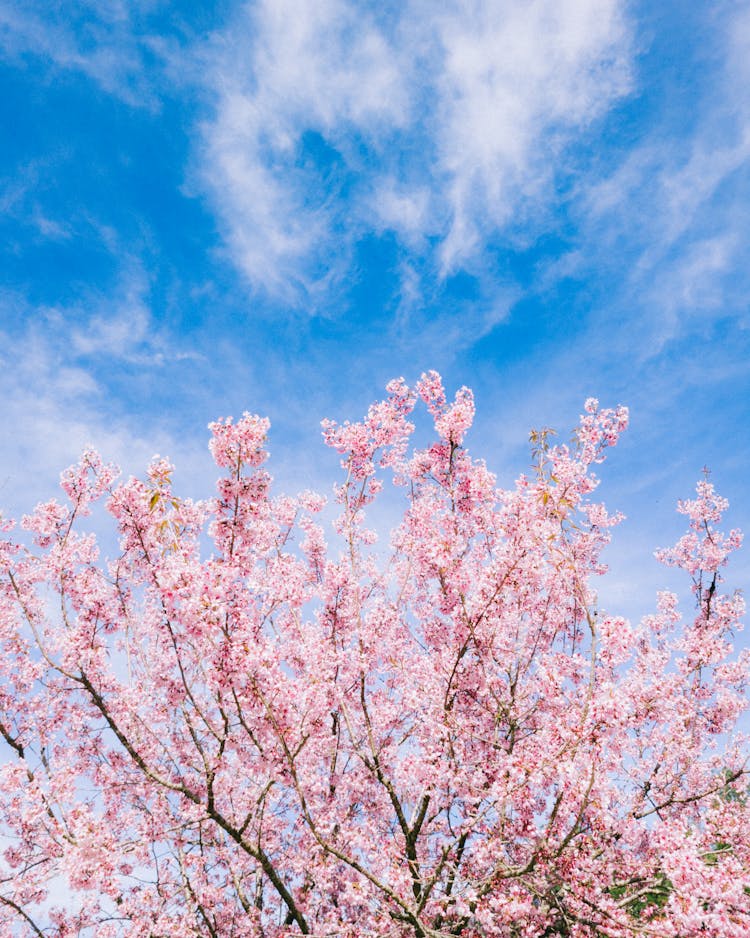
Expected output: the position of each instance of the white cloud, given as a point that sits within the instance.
(286, 69)
(399, 208)
(51, 229)
(517, 80)
(124, 330)
(55, 367)
(440, 122)
(116, 327)
(19, 200)
(662, 191)
(678, 207)
(99, 38)
(50, 414)
(693, 285)
(336, 118)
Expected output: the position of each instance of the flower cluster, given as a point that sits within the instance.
(243, 725)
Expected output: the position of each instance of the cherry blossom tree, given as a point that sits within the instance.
(235, 729)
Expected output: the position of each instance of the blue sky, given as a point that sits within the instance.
(278, 206)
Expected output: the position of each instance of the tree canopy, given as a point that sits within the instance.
(234, 728)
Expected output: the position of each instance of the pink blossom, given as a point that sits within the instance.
(247, 724)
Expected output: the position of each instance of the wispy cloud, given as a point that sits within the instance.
(331, 122)
(56, 367)
(516, 80)
(292, 82)
(105, 328)
(52, 409)
(123, 330)
(673, 216)
(20, 201)
(102, 40)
